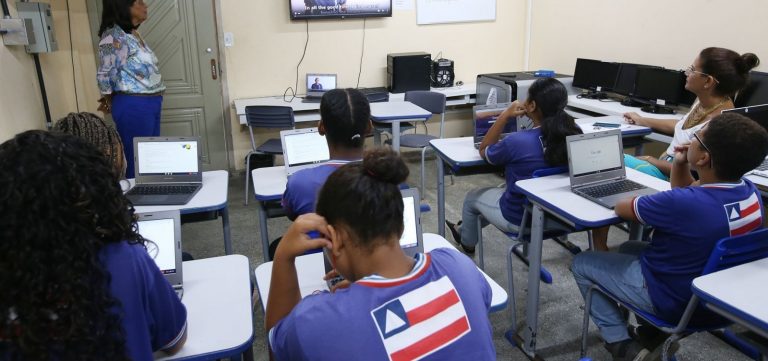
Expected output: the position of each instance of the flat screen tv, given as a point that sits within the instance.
(325, 9)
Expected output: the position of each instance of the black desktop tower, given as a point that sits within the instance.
(408, 71)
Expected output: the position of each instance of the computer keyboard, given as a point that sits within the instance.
(763, 166)
(144, 190)
(609, 189)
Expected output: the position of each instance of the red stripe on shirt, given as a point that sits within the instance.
(432, 308)
(432, 342)
(751, 209)
(747, 227)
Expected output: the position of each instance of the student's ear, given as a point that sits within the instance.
(704, 160)
(369, 128)
(336, 236)
(321, 127)
(530, 106)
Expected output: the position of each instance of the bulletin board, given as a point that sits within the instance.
(454, 11)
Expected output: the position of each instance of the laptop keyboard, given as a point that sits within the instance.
(763, 166)
(609, 189)
(147, 190)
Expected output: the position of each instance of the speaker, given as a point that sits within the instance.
(408, 71)
(442, 73)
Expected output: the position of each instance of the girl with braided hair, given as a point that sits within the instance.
(96, 131)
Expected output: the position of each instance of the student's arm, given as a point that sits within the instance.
(284, 292)
(492, 137)
(625, 209)
(666, 126)
(680, 176)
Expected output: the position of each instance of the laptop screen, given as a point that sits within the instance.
(486, 117)
(167, 158)
(758, 113)
(409, 238)
(162, 248)
(320, 83)
(305, 148)
(595, 155)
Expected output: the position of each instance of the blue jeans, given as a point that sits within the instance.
(135, 116)
(620, 274)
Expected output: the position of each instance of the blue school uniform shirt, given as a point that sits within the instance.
(303, 186)
(151, 313)
(439, 311)
(521, 153)
(688, 222)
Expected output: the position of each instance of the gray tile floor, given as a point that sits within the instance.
(560, 305)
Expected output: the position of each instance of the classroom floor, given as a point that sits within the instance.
(561, 304)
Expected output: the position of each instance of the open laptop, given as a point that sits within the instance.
(411, 241)
(758, 113)
(303, 148)
(163, 230)
(317, 85)
(484, 116)
(596, 166)
(167, 170)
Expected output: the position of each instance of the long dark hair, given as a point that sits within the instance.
(96, 131)
(116, 12)
(365, 197)
(551, 98)
(61, 204)
(346, 116)
(730, 69)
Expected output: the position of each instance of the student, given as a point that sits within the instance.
(521, 154)
(688, 221)
(96, 131)
(360, 214)
(77, 282)
(714, 77)
(317, 85)
(345, 119)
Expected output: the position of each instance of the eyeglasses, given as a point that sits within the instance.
(696, 135)
(692, 70)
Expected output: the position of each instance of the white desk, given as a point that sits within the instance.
(738, 293)
(212, 197)
(268, 186)
(396, 112)
(455, 95)
(552, 195)
(310, 272)
(217, 294)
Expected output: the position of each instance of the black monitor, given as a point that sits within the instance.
(659, 87)
(756, 91)
(321, 9)
(758, 113)
(595, 74)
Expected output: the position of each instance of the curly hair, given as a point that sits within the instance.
(61, 204)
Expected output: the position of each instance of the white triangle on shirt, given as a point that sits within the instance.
(393, 322)
(734, 214)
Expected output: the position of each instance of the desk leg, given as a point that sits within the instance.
(635, 231)
(440, 197)
(396, 136)
(227, 233)
(534, 278)
(263, 230)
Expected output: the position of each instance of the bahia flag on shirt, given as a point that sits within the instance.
(422, 321)
(744, 216)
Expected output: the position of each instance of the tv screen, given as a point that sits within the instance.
(319, 9)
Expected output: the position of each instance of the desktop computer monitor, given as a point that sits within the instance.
(659, 87)
(756, 91)
(595, 74)
(758, 113)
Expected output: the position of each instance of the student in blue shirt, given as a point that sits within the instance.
(77, 282)
(433, 306)
(520, 153)
(688, 221)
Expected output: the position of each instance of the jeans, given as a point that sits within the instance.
(621, 275)
(485, 202)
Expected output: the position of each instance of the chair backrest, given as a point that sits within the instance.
(733, 251)
(755, 92)
(268, 116)
(432, 102)
(543, 172)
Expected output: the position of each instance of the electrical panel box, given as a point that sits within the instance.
(42, 39)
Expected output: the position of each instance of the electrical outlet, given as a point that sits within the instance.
(229, 40)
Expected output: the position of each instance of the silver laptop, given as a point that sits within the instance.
(596, 166)
(411, 241)
(163, 229)
(317, 85)
(484, 116)
(167, 170)
(303, 148)
(758, 113)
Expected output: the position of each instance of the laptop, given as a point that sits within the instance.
(163, 230)
(167, 171)
(596, 167)
(411, 241)
(484, 116)
(303, 148)
(758, 113)
(317, 85)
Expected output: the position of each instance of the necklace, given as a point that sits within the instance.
(698, 114)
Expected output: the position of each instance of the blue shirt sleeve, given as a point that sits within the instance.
(289, 201)
(658, 210)
(500, 153)
(166, 315)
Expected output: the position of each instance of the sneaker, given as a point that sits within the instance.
(454, 228)
(627, 350)
(648, 336)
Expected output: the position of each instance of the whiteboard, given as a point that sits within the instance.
(454, 11)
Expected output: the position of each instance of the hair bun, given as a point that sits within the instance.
(750, 61)
(385, 165)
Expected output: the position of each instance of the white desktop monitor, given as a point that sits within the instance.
(318, 84)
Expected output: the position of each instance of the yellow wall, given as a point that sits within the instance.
(655, 32)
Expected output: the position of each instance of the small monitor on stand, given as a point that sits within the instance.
(596, 76)
(660, 87)
(625, 83)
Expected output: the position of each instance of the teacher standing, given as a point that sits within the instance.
(128, 76)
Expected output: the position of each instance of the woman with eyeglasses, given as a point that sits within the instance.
(715, 76)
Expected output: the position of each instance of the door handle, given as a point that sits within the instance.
(214, 70)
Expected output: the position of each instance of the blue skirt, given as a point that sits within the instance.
(135, 116)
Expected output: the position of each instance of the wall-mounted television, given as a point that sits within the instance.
(324, 9)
